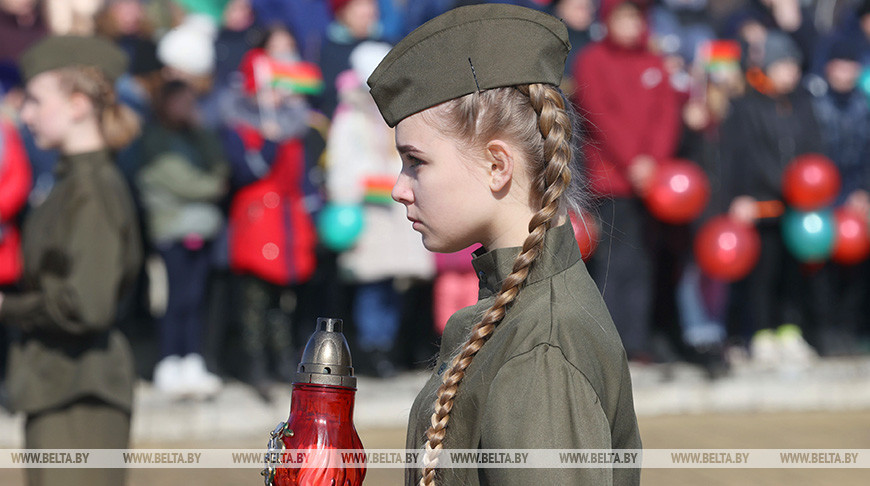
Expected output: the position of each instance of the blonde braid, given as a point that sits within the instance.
(554, 180)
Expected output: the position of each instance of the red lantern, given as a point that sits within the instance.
(678, 193)
(586, 232)
(320, 425)
(810, 182)
(851, 237)
(727, 249)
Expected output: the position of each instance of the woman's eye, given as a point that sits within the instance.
(413, 161)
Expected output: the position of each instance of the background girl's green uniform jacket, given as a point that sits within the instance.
(81, 252)
(552, 376)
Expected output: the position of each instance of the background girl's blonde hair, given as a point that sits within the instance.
(118, 123)
(538, 119)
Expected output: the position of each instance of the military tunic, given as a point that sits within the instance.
(553, 375)
(81, 252)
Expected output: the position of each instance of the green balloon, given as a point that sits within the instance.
(339, 225)
(809, 236)
(212, 8)
(864, 82)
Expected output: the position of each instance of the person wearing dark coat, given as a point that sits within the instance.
(774, 121)
(767, 128)
(844, 119)
(71, 370)
(854, 31)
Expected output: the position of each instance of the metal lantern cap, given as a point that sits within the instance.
(326, 359)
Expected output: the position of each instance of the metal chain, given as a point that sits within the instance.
(276, 443)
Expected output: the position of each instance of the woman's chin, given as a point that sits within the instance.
(440, 246)
(429, 245)
(433, 244)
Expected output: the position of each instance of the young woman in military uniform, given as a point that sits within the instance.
(486, 142)
(70, 371)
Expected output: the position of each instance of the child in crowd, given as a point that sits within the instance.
(766, 129)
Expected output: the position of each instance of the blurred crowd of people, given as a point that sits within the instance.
(258, 127)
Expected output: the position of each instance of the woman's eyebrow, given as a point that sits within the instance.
(405, 149)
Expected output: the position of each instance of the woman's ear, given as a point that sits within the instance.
(501, 158)
(82, 106)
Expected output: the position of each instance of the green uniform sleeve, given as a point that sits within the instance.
(79, 283)
(538, 400)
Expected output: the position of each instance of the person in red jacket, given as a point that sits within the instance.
(15, 182)
(14, 187)
(632, 117)
(272, 236)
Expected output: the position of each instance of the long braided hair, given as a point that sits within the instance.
(539, 120)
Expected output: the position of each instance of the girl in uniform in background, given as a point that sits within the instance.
(71, 371)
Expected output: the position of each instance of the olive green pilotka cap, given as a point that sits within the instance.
(469, 49)
(62, 51)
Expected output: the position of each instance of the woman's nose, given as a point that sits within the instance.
(402, 190)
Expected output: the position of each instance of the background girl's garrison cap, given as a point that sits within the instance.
(465, 50)
(62, 51)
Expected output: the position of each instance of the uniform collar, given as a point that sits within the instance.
(560, 252)
(83, 161)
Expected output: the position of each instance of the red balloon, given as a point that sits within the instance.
(810, 182)
(851, 237)
(678, 193)
(586, 232)
(726, 248)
